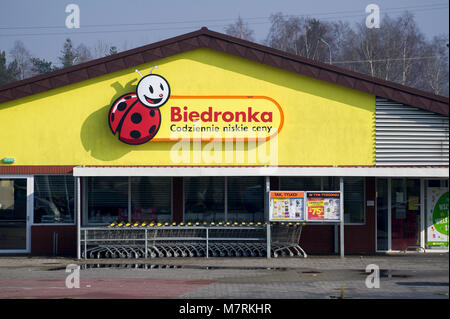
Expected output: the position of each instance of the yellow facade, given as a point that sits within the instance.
(324, 123)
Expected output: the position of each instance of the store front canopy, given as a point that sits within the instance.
(428, 172)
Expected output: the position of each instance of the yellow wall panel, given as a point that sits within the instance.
(324, 123)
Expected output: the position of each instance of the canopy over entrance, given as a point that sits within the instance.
(263, 171)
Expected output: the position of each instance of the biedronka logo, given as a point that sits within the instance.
(138, 117)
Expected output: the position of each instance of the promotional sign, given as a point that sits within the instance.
(287, 206)
(153, 113)
(323, 206)
(437, 216)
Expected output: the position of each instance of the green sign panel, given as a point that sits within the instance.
(437, 217)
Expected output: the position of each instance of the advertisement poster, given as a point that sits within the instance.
(287, 206)
(413, 203)
(437, 217)
(323, 206)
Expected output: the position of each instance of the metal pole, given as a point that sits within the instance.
(207, 238)
(336, 238)
(146, 249)
(78, 194)
(266, 215)
(55, 243)
(85, 243)
(389, 213)
(129, 199)
(341, 189)
(226, 199)
(422, 213)
(30, 209)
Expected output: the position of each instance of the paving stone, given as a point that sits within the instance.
(402, 276)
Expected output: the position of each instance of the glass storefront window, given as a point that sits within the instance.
(330, 183)
(107, 199)
(129, 199)
(354, 200)
(54, 199)
(354, 210)
(405, 213)
(204, 199)
(151, 199)
(13, 214)
(300, 183)
(245, 202)
(436, 214)
(382, 214)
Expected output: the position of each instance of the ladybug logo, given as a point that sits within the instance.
(136, 116)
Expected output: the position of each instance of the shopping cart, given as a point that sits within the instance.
(199, 239)
(285, 239)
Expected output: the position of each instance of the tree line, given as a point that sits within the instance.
(397, 51)
(23, 64)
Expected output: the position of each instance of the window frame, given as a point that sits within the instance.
(225, 206)
(74, 202)
(130, 196)
(225, 196)
(364, 222)
(85, 201)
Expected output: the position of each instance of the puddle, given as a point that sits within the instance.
(386, 273)
(423, 283)
(162, 266)
(311, 272)
(338, 297)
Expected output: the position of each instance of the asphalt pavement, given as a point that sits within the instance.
(401, 276)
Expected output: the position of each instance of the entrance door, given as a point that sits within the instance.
(405, 214)
(13, 215)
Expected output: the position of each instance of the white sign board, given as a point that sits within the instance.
(287, 206)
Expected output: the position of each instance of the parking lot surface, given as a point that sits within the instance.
(404, 276)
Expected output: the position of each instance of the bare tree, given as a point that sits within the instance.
(312, 38)
(341, 40)
(239, 29)
(23, 59)
(101, 49)
(82, 53)
(398, 51)
(283, 33)
(434, 72)
(301, 36)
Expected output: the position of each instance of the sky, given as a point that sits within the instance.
(40, 24)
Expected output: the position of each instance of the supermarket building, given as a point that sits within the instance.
(204, 136)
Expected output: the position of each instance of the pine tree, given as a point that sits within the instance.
(68, 54)
(4, 76)
(113, 50)
(41, 66)
(8, 73)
